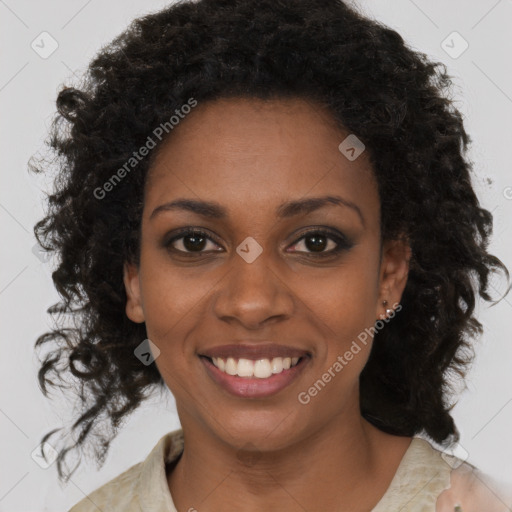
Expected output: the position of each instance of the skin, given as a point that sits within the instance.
(271, 453)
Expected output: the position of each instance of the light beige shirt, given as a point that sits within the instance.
(425, 481)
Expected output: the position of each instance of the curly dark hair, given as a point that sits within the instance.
(392, 97)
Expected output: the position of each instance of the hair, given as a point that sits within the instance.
(391, 97)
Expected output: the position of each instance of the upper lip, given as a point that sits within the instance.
(254, 352)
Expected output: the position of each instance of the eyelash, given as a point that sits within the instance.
(342, 242)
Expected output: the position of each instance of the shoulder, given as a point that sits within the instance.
(465, 487)
(430, 479)
(471, 490)
(138, 484)
(117, 494)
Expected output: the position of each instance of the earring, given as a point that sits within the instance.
(389, 311)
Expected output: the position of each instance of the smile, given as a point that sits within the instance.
(258, 378)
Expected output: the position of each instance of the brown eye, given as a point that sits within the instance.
(191, 241)
(317, 243)
(321, 242)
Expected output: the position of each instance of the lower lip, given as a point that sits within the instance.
(252, 387)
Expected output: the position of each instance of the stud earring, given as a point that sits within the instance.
(389, 311)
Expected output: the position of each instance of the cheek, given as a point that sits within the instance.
(344, 297)
(171, 309)
(173, 300)
(342, 304)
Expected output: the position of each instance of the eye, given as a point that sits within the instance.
(190, 240)
(322, 242)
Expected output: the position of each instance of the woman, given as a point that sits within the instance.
(265, 207)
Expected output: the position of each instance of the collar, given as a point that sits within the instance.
(152, 488)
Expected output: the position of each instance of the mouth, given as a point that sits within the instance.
(254, 371)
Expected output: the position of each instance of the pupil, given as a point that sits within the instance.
(194, 245)
(318, 243)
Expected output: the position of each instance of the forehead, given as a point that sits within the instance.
(250, 153)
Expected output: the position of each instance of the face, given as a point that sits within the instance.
(287, 265)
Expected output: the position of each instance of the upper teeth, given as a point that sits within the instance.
(261, 368)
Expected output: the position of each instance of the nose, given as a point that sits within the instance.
(253, 294)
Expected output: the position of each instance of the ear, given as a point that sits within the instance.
(134, 310)
(394, 271)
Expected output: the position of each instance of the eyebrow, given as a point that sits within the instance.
(289, 209)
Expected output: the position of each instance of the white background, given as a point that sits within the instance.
(28, 88)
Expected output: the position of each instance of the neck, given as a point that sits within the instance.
(344, 462)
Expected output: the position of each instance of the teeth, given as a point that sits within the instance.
(245, 368)
(261, 368)
(277, 365)
(221, 364)
(231, 366)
